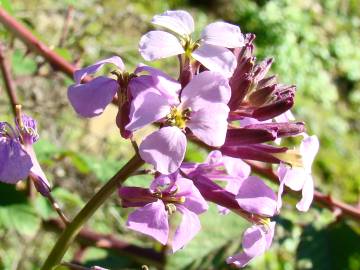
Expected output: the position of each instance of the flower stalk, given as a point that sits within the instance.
(87, 212)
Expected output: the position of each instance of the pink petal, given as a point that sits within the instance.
(149, 104)
(163, 82)
(159, 44)
(307, 195)
(15, 163)
(223, 34)
(256, 197)
(152, 220)
(164, 149)
(216, 58)
(188, 228)
(82, 73)
(90, 99)
(269, 235)
(236, 167)
(254, 241)
(178, 21)
(194, 201)
(209, 124)
(204, 89)
(308, 149)
(239, 260)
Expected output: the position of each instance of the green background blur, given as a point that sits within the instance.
(316, 45)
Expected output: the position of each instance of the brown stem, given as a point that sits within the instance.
(67, 22)
(8, 80)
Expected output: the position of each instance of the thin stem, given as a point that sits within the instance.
(57, 208)
(8, 80)
(87, 212)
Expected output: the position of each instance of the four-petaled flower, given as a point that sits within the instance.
(210, 50)
(168, 194)
(200, 107)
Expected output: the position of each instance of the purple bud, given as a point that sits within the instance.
(243, 136)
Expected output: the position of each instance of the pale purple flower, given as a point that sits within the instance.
(18, 159)
(223, 168)
(89, 99)
(168, 194)
(199, 107)
(210, 50)
(299, 177)
(256, 240)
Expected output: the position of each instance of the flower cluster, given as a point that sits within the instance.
(222, 100)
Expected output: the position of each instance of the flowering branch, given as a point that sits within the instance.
(73, 229)
(62, 65)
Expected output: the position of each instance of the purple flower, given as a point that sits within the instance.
(90, 99)
(18, 159)
(168, 194)
(251, 193)
(200, 107)
(222, 168)
(299, 177)
(256, 240)
(211, 50)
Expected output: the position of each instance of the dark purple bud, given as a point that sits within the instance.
(272, 110)
(261, 96)
(267, 82)
(239, 89)
(243, 136)
(261, 69)
(282, 129)
(135, 196)
(259, 152)
(122, 119)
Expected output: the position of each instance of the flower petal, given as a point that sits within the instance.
(216, 58)
(223, 34)
(294, 178)
(149, 104)
(152, 220)
(210, 124)
(82, 73)
(204, 89)
(178, 21)
(254, 241)
(239, 260)
(159, 44)
(236, 167)
(15, 163)
(188, 228)
(37, 174)
(307, 195)
(256, 197)
(165, 149)
(194, 201)
(161, 80)
(90, 99)
(308, 149)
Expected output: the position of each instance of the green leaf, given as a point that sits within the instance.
(22, 65)
(24, 219)
(334, 247)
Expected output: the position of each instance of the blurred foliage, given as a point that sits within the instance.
(315, 46)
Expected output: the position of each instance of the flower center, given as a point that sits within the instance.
(189, 45)
(178, 117)
(170, 199)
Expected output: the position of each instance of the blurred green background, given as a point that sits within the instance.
(316, 45)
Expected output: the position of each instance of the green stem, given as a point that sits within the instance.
(89, 209)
